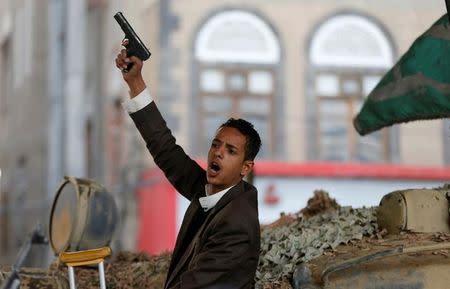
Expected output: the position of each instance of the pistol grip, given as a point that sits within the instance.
(129, 50)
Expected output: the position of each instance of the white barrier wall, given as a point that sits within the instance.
(290, 194)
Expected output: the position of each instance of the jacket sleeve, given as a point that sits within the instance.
(183, 173)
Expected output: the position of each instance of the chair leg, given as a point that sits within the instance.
(101, 273)
(72, 278)
(86, 257)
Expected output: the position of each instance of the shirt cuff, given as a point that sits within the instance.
(138, 102)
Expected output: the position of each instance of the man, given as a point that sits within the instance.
(219, 239)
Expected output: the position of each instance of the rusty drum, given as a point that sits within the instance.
(83, 216)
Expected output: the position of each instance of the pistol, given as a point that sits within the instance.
(135, 46)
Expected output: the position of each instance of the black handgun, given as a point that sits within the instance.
(135, 46)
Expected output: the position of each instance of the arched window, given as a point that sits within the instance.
(236, 54)
(348, 55)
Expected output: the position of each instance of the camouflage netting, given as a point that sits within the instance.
(293, 239)
(321, 226)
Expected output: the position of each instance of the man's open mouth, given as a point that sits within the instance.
(214, 167)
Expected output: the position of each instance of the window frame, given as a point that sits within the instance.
(270, 59)
(235, 97)
(389, 141)
(352, 136)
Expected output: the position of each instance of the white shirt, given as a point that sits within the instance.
(210, 201)
(140, 101)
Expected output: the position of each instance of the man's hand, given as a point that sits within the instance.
(133, 76)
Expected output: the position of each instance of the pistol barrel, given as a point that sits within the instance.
(135, 47)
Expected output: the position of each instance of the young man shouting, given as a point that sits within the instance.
(219, 239)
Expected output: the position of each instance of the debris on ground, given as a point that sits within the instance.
(125, 271)
(320, 203)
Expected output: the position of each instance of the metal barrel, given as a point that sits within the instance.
(83, 216)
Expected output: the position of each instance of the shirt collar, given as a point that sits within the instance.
(209, 201)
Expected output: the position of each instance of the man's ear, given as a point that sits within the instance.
(247, 167)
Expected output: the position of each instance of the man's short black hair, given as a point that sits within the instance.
(253, 143)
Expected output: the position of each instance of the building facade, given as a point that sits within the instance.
(299, 70)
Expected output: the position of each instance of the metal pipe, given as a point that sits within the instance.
(101, 273)
(72, 278)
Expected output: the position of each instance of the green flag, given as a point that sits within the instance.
(417, 87)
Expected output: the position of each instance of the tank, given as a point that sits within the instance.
(413, 253)
(412, 261)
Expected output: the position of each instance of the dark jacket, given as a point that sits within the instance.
(219, 249)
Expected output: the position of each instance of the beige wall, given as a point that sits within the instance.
(23, 128)
(421, 143)
(27, 109)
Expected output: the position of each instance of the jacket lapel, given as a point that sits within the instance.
(188, 252)
(234, 192)
(176, 256)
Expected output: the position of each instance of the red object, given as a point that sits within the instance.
(353, 170)
(156, 213)
(270, 196)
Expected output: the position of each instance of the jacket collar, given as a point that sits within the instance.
(232, 193)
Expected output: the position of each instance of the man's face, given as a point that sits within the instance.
(226, 165)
